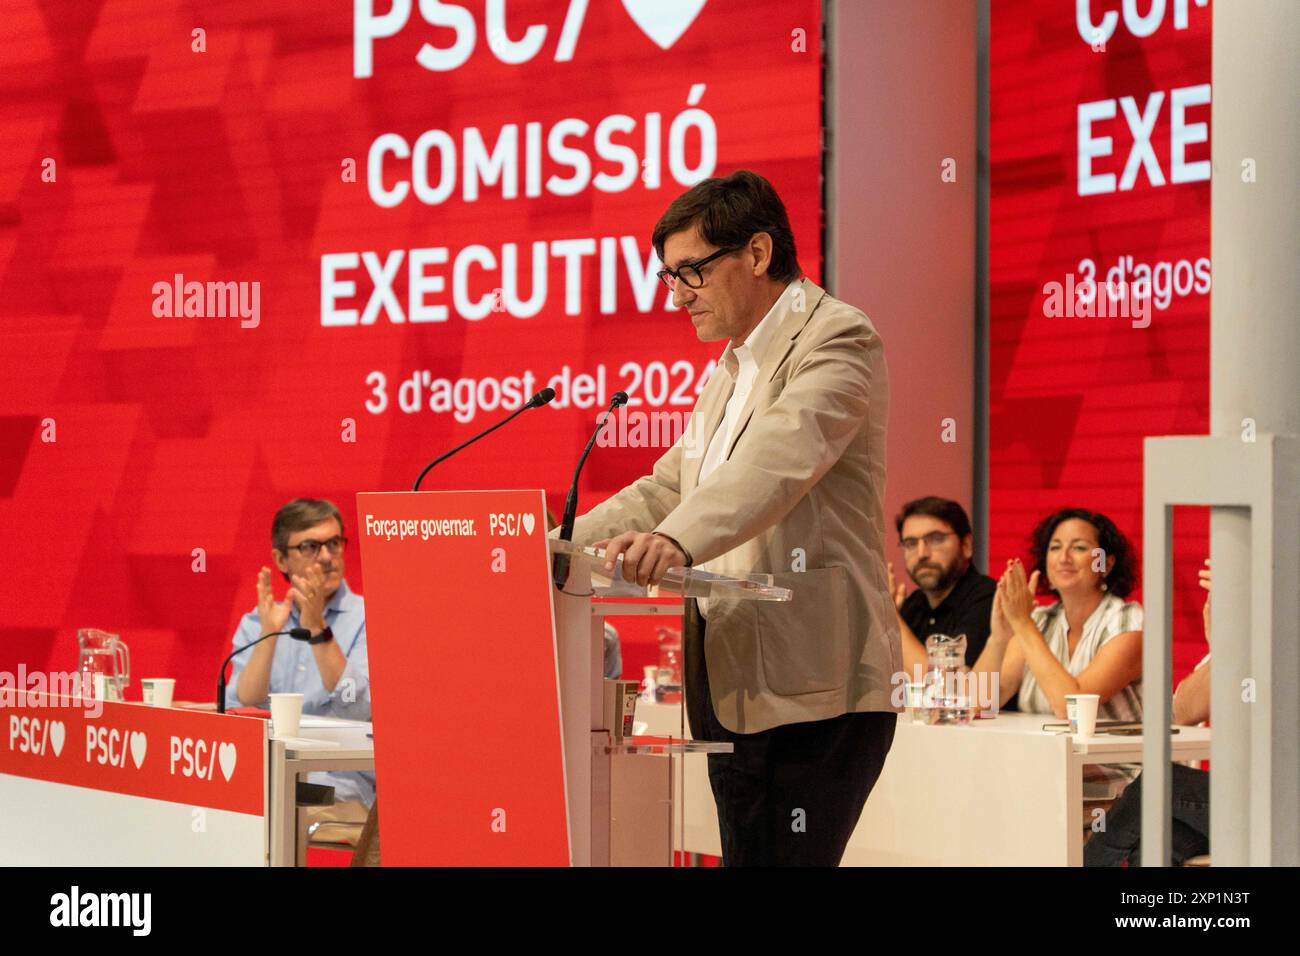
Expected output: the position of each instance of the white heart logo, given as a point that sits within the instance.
(56, 736)
(529, 522)
(226, 757)
(139, 744)
(664, 21)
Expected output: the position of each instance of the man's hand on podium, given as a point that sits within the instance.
(646, 556)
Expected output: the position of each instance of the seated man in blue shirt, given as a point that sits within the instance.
(333, 676)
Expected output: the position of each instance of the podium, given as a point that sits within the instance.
(488, 687)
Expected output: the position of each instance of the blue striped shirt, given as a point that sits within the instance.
(294, 670)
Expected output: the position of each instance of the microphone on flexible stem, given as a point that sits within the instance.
(297, 633)
(541, 398)
(561, 562)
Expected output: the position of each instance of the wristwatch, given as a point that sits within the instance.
(322, 637)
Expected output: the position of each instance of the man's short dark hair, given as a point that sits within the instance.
(949, 512)
(728, 212)
(299, 515)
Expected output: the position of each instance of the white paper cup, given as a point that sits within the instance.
(286, 713)
(157, 691)
(1081, 709)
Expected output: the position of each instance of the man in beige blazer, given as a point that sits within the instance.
(781, 470)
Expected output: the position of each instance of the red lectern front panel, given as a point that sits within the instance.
(459, 623)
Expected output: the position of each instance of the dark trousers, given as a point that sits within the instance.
(791, 795)
(1190, 837)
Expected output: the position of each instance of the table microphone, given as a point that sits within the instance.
(297, 633)
(541, 398)
(560, 566)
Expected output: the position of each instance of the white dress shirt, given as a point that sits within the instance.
(741, 362)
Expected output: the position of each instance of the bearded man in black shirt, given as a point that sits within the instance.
(952, 597)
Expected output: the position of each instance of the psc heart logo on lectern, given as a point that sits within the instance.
(511, 525)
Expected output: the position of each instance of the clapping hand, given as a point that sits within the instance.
(273, 614)
(999, 626)
(308, 592)
(1017, 593)
(897, 591)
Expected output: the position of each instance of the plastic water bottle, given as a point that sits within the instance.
(648, 683)
(668, 677)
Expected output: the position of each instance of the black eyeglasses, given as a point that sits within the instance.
(689, 272)
(932, 540)
(309, 549)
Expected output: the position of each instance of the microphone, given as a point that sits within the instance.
(541, 398)
(561, 562)
(297, 633)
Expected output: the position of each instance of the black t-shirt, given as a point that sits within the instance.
(965, 610)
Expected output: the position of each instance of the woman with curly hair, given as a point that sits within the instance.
(1089, 641)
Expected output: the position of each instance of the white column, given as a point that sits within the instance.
(1254, 383)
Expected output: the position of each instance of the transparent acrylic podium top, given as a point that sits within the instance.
(660, 746)
(685, 582)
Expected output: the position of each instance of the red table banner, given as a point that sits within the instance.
(182, 756)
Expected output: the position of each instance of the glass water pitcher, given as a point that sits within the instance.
(104, 654)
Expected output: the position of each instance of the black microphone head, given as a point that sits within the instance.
(620, 398)
(544, 397)
(300, 634)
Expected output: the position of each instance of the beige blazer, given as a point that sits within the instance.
(798, 495)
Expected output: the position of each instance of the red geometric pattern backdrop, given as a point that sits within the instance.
(1099, 162)
(251, 251)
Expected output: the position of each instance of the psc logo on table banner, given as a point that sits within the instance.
(192, 757)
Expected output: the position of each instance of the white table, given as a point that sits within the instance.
(323, 743)
(998, 792)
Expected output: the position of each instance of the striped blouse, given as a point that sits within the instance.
(1113, 616)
